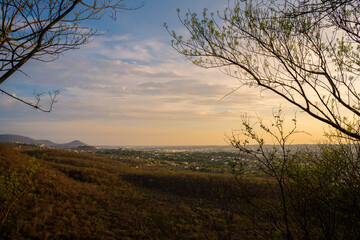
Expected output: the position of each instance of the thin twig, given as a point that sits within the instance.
(36, 106)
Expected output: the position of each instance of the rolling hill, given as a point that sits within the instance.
(11, 138)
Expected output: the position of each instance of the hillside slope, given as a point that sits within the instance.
(11, 138)
(86, 196)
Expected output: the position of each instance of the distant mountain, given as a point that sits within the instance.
(72, 144)
(21, 139)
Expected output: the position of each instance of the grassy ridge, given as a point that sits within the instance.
(84, 196)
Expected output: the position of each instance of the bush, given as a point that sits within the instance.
(15, 185)
(317, 189)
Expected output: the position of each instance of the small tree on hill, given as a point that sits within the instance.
(313, 190)
(307, 52)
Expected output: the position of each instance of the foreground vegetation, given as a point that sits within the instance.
(58, 194)
(87, 196)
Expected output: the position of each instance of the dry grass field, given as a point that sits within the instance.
(64, 195)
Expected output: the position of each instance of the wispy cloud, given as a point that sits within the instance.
(120, 80)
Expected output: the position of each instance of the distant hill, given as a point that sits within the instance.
(21, 139)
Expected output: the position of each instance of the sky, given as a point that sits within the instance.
(129, 87)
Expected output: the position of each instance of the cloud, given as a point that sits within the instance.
(102, 87)
(133, 87)
(128, 48)
(181, 87)
(107, 89)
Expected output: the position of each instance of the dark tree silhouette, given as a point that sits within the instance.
(307, 52)
(43, 29)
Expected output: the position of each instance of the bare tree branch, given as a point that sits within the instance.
(37, 96)
(43, 29)
(304, 51)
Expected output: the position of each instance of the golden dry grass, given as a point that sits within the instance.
(87, 196)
